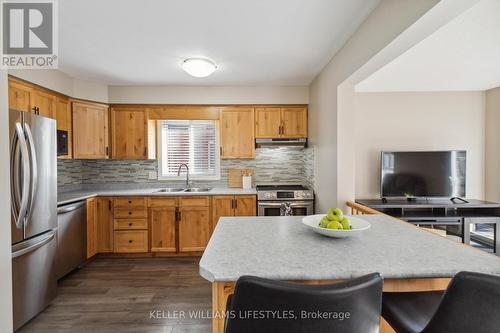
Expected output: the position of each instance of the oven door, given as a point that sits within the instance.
(273, 208)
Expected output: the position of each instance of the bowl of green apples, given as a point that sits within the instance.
(335, 224)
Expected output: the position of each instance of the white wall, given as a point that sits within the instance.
(418, 121)
(328, 130)
(492, 151)
(5, 240)
(209, 95)
(63, 83)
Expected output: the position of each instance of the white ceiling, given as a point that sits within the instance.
(463, 55)
(257, 42)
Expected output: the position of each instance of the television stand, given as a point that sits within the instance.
(459, 199)
(473, 222)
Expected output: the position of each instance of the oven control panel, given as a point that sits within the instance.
(285, 195)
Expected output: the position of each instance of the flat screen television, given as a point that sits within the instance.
(439, 174)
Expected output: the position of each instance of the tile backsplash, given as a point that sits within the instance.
(271, 165)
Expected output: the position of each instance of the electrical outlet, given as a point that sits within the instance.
(152, 175)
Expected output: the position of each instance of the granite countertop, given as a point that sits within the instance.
(282, 248)
(77, 195)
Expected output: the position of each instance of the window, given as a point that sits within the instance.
(194, 142)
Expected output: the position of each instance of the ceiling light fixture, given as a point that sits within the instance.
(199, 67)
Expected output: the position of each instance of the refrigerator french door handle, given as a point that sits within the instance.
(14, 183)
(25, 195)
(32, 247)
(33, 169)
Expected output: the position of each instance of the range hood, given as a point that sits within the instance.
(281, 142)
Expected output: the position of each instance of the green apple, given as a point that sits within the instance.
(345, 223)
(336, 225)
(324, 222)
(335, 214)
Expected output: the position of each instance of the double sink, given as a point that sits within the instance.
(180, 190)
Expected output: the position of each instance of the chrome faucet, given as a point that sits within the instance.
(188, 184)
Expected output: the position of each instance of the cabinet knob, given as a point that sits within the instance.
(130, 224)
(130, 201)
(129, 213)
(130, 241)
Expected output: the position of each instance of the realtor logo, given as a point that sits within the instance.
(29, 34)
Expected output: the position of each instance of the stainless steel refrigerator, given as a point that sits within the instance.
(33, 164)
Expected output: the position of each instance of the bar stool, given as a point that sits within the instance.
(471, 303)
(263, 305)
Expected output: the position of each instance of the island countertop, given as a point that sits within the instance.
(282, 248)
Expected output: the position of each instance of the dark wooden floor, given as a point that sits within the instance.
(117, 295)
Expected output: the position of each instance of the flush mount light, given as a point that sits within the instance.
(199, 67)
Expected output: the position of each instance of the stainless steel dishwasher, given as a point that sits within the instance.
(71, 240)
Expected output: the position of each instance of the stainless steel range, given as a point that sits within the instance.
(276, 200)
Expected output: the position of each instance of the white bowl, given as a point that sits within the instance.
(358, 225)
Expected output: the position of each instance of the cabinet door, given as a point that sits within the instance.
(19, 96)
(294, 122)
(221, 206)
(267, 123)
(163, 222)
(104, 226)
(64, 123)
(245, 205)
(90, 131)
(129, 133)
(45, 103)
(91, 228)
(237, 133)
(194, 228)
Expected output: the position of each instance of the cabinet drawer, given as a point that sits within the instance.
(129, 202)
(162, 202)
(194, 201)
(123, 213)
(130, 224)
(131, 241)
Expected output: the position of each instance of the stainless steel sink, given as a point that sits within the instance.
(170, 190)
(198, 189)
(174, 190)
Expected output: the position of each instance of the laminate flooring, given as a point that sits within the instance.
(150, 295)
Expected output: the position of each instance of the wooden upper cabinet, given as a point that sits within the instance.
(64, 123)
(163, 222)
(19, 96)
(281, 122)
(294, 122)
(90, 131)
(267, 123)
(129, 133)
(44, 103)
(237, 132)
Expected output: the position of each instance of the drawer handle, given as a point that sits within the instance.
(130, 224)
(129, 201)
(130, 241)
(129, 213)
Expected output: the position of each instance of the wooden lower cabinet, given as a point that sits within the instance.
(131, 241)
(163, 221)
(246, 205)
(159, 224)
(104, 225)
(194, 228)
(91, 227)
(233, 205)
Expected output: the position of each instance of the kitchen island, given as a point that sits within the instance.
(281, 248)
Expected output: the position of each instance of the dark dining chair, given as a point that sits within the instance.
(471, 303)
(265, 306)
